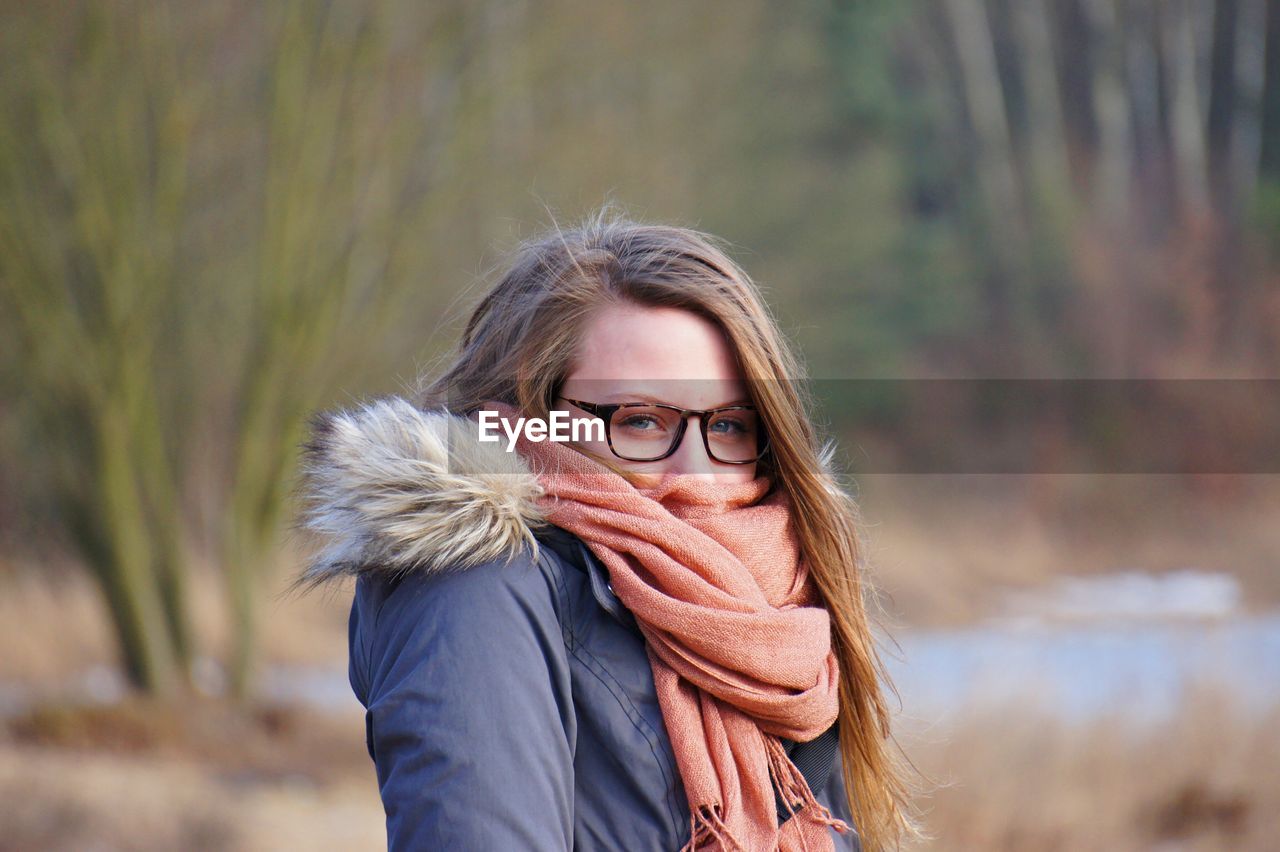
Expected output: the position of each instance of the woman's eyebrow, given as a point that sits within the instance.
(623, 396)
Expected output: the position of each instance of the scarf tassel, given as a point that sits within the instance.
(705, 826)
(794, 788)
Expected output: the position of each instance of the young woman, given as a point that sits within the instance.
(645, 634)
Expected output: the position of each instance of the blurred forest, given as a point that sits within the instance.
(217, 217)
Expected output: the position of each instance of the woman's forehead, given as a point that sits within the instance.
(654, 345)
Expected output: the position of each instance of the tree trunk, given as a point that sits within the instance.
(1269, 155)
(1222, 104)
(1074, 53)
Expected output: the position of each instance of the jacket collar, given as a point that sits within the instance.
(575, 552)
(390, 489)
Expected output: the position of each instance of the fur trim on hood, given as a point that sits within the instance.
(393, 488)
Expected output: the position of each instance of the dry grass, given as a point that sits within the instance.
(200, 775)
(55, 626)
(195, 775)
(1016, 781)
(60, 800)
(944, 547)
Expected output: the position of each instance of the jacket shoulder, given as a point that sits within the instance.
(497, 601)
(467, 686)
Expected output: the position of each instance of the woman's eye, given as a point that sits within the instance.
(642, 422)
(730, 426)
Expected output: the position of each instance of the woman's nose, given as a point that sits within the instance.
(691, 456)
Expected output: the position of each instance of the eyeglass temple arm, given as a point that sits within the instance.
(589, 407)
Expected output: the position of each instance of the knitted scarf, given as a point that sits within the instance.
(737, 637)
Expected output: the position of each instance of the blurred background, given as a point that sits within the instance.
(217, 218)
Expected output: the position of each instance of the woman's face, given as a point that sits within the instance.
(634, 353)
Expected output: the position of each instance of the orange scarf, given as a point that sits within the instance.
(737, 637)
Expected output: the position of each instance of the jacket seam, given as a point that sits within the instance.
(562, 595)
(397, 580)
(608, 601)
(593, 665)
(362, 635)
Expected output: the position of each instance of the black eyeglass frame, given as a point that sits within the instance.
(605, 412)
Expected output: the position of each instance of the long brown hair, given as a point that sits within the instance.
(520, 343)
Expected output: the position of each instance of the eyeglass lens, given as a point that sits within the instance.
(642, 433)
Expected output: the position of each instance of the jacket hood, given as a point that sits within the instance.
(390, 488)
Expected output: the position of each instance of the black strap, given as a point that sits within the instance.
(815, 760)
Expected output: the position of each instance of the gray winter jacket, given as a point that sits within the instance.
(509, 698)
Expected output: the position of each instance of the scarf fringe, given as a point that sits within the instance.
(792, 786)
(705, 826)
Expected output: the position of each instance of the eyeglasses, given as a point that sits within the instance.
(651, 431)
